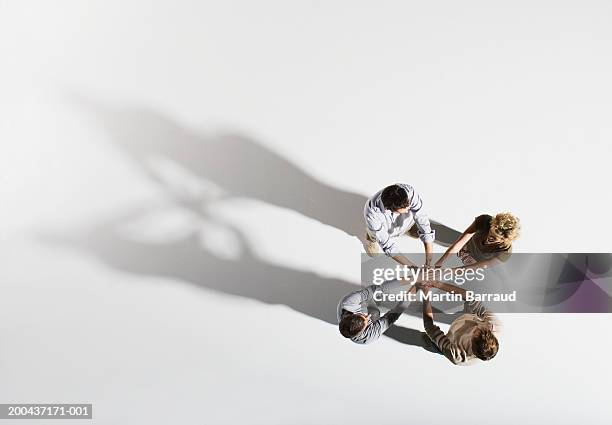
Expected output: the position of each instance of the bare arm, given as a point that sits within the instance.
(426, 234)
(404, 261)
(458, 244)
(428, 252)
(447, 287)
(427, 310)
(481, 264)
(450, 350)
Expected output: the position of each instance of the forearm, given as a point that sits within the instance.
(396, 311)
(447, 287)
(427, 314)
(392, 315)
(406, 282)
(428, 252)
(451, 249)
(454, 248)
(427, 310)
(479, 264)
(403, 260)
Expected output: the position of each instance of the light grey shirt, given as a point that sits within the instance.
(385, 225)
(356, 302)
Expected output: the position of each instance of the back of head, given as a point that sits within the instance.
(485, 344)
(506, 226)
(394, 197)
(351, 325)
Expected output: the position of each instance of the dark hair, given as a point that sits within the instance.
(351, 325)
(394, 197)
(485, 344)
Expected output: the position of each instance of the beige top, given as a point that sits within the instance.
(456, 345)
(477, 246)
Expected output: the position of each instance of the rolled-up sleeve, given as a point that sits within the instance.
(377, 328)
(426, 233)
(354, 302)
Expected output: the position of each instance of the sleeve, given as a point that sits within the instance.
(478, 308)
(379, 327)
(450, 350)
(353, 302)
(426, 233)
(504, 255)
(379, 229)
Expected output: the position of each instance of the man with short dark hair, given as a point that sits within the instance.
(471, 336)
(391, 213)
(359, 319)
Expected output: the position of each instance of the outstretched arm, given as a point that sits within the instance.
(450, 350)
(475, 307)
(380, 326)
(481, 264)
(427, 310)
(384, 240)
(458, 244)
(447, 287)
(404, 261)
(428, 253)
(426, 234)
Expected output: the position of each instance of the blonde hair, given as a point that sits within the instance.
(506, 226)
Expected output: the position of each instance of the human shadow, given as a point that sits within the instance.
(190, 260)
(242, 168)
(410, 336)
(239, 165)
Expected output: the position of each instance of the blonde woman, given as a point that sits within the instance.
(488, 241)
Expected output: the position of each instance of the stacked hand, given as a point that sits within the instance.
(425, 285)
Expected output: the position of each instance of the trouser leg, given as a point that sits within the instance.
(372, 247)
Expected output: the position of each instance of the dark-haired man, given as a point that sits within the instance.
(391, 213)
(358, 317)
(471, 336)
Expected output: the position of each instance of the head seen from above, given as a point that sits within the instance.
(505, 228)
(395, 198)
(484, 344)
(353, 324)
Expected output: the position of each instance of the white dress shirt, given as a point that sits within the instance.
(385, 225)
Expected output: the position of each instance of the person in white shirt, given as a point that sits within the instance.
(391, 213)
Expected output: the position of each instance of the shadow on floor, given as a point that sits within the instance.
(241, 167)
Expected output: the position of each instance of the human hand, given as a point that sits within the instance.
(400, 307)
(423, 285)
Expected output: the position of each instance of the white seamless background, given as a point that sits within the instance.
(482, 106)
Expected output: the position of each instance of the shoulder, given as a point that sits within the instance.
(504, 254)
(374, 220)
(373, 214)
(374, 204)
(483, 222)
(406, 187)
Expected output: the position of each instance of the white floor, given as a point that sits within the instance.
(177, 186)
